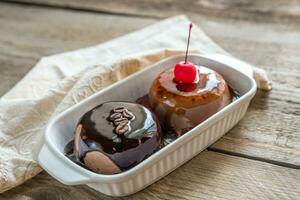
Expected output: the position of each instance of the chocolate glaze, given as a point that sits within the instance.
(125, 150)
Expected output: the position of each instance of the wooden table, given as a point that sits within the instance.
(257, 159)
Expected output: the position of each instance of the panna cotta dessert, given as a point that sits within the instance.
(187, 94)
(114, 137)
(182, 106)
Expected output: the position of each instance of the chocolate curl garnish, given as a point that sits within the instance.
(128, 114)
(115, 116)
(120, 120)
(119, 109)
(79, 146)
(77, 140)
(100, 163)
(122, 128)
(94, 160)
(121, 117)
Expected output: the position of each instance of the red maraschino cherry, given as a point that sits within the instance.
(185, 72)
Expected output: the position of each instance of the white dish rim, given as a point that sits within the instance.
(94, 177)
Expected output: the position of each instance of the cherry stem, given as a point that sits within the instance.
(188, 43)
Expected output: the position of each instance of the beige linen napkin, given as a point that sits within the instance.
(60, 81)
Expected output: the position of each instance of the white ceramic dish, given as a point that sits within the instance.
(60, 129)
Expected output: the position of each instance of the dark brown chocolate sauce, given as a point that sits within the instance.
(125, 149)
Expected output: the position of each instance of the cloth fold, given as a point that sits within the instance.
(60, 81)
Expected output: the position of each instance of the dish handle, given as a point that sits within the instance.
(232, 62)
(60, 169)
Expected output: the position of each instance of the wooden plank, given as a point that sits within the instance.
(28, 33)
(210, 175)
(270, 129)
(236, 9)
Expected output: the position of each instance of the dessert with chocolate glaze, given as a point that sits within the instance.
(187, 94)
(114, 137)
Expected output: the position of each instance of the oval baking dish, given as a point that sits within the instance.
(60, 130)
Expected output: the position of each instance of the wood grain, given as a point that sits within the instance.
(209, 175)
(266, 35)
(270, 129)
(235, 9)
(29, 33)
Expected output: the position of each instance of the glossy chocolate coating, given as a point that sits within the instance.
(126, 149)
(181, 107)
